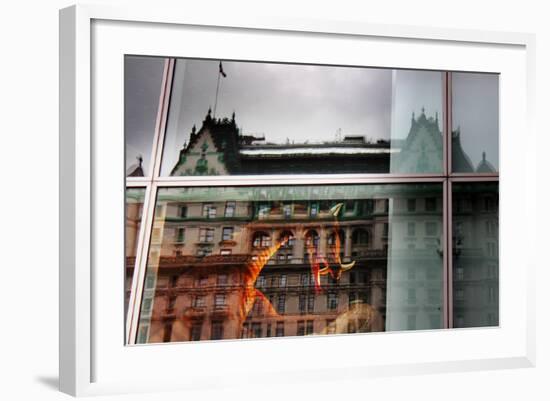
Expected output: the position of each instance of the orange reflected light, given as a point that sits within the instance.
(255, 267)
(251, 275)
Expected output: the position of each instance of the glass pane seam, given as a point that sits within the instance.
(165, 100)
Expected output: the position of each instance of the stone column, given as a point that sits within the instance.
(273, 235)
(298, 250)
(347, 245)
(323, 241)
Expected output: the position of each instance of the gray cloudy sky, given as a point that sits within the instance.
(475, 110)
(298, 102)
(294, 101)
(303, 103)
(142, 82)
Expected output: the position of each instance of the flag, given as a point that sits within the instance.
(222, 71)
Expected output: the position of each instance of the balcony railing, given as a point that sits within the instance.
(195, 311)
(220, 310)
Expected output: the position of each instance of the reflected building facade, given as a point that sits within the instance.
(134, 213)
(206, 256)
(272, 261)
(475, 255)
(220, 148)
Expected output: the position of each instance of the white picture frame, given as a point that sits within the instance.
(93, 357)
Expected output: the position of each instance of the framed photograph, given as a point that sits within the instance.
(290, 200)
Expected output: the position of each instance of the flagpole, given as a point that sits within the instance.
(217, 90)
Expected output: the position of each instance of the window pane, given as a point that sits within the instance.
(475, 123)
(142, 86)
(416, 130)
(134, 210)
(353, 266)
(475, 255)
(296, 119)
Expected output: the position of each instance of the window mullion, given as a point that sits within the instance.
(138, 281)
(447, 205)
(447, 125)
(162, 116)
(447, 256)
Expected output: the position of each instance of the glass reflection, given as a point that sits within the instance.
(416, 131)
(475, 123)
(231, 118)
(475, 255)
(142, 86)
(248, 262)
(134, 211)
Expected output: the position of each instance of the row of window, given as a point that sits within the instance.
(366, 207)
(359, 236)
(305, 279)
(430, 229)
(430, 205)
(210, 211)
(303, 328)
(306, 302)
(312, 209)
(308, 279)
(262, 239)
(254, 330)
(200, 301)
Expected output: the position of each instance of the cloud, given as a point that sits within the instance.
(282, 101)
(300, 102)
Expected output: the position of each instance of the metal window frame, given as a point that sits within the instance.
(156, 181)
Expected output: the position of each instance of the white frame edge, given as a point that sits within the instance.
(75, 206)
(75, 225)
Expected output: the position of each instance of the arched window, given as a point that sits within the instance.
(331, 240)
(261, 240)
(360, 237)
(288, 238)
(312, 239)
